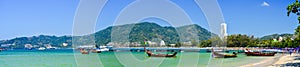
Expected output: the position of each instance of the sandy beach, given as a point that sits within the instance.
(263, 63)
(287, 60)
(281, 60)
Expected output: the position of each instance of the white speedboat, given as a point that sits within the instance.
(41, 48)
(104, 49)
(96, 50)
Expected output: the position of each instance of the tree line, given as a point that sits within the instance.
(242, 40)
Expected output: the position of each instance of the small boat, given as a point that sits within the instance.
(96, 50)
(28, 46)
(104, 49)
(101, 48)
(83, 51)
(48, 46)
(250, 53)
(41, 48)
(150, 54)
(223, 55)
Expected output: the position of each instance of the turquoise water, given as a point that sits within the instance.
(67, 58)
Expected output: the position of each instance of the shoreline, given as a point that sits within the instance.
(263, 63)
(276, 61)
(287, 60)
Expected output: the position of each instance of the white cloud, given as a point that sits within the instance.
(265, 4)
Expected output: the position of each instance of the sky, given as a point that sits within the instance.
(25, 18)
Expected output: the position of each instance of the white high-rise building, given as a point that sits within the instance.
(223, 30)
(162, 43)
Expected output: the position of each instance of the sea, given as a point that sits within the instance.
(71, 58)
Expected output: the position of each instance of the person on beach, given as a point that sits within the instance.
(290, 51)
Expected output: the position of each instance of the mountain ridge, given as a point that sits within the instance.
(137, 32)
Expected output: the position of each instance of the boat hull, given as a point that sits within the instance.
(250, 53)
(218, 55)
(150, 54)
(259, 54)
(84, 52)
(96, 51)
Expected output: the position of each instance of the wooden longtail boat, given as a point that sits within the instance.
(219, 55)
(150, 54)
(249, 53)
(84, 51)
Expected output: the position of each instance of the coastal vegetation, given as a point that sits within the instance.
(268, 37)
(242, 40)
(294, 8)
(274, 40)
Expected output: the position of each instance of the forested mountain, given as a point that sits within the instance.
(36, 40)
(276, 36)
(133, 32)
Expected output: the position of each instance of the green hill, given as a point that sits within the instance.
(133, 32)
(268, 37)
(37, 40)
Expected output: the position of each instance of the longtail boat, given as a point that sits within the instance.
(83, 51)
(150, 54)
(219, 55)
(249, 53)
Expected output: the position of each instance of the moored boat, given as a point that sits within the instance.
(150, 54)
(41, 48)
(223, 55)
(104, 49)
(28, 46)
(96, 50)
(83, 51)
(251, 53)
(100, 49)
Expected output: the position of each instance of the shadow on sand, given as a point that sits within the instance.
(288, 65)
